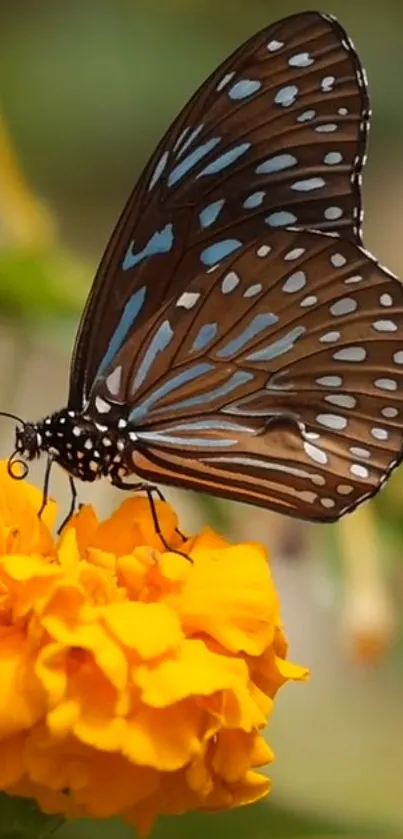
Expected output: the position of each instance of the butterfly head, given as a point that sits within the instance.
(28, 441)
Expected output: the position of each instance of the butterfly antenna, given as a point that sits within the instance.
(12, 416)
(16, 467)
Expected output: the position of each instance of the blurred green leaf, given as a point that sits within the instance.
(261, 821)
(36, 286)
(20, 818)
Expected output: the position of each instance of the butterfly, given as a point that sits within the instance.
(238, 339)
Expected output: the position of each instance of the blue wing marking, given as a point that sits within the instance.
(237, 379)
(223, 160)
(267, 464)
(205, 335)
(192, 159)
(210, 213)
(160, 242)
(280, 218)
(196, 371)
(279, 347)
(129, 315)
(205, 442)
(276, 164)
(258, 324)
(254, 200)
(186, 143)
(215, 253)
(159, 342)
(158, 170)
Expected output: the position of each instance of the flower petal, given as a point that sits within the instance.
(151, 629)
(239, 614)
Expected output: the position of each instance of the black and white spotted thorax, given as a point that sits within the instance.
(84, 448)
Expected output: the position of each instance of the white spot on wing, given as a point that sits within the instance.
(380, 433)
(344, 489)
(274, 45)
(386, 384)
(330, 381)
(359, 471)
(307, 116)
(332, 158)
(327, 83)
(114, 379)
(301, 59)
(253, 290)
(357, 451)
(295, 282)
(286, 96)
(351, 354)
(102, 406)
(328, 503)
(294, 254)
(314, 453)
(338, 260)
(343, 307)
(188, 299)
(329, 337)
(311, 300)
(332, 421)
(333, 213)
(264, 250)
(326, 128)
(230, 282)
(342, 400)
(225, 80)
(384, 326)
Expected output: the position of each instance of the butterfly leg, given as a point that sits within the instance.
(150, 490)
(73, 502)
(46, 482)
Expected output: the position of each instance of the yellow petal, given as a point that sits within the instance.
(22, 700)
(84, 525)
(194, 671)
(93, 637)
(132, 525)
(132, 570)
(165, 739)
(234, 753)
(151, 629)
(51, 668)
(231, 597)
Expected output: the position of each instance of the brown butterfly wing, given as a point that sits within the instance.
(275, 136)
(278, 382)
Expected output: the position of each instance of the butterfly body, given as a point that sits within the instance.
(238, 340)
(87, 450)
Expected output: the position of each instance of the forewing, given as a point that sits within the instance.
(276, 136)
(279, 381)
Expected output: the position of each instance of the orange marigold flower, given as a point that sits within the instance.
(134, 682)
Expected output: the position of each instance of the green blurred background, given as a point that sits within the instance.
(86, 89)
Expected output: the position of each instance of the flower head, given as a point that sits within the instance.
(135, 681)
